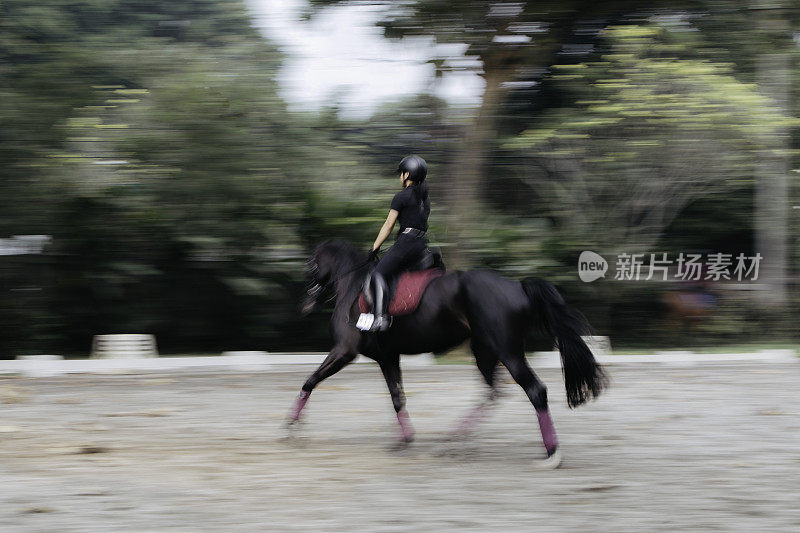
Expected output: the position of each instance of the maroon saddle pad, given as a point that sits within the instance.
(407, 293)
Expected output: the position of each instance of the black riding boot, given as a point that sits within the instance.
(381, 295)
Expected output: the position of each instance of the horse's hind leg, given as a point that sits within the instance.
(337, 359)
(537, 393)
(487, 364)
(390, 366)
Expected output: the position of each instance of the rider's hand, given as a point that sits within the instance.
(373, 256)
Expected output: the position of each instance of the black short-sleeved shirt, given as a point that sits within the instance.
(413, 213)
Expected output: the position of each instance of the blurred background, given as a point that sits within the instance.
(167, 167)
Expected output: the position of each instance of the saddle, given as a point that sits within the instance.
(406, 290)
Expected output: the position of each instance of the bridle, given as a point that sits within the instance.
(315, 288)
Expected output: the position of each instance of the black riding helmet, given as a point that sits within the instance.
(415, 166)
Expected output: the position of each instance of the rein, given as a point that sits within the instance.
(316, 288)
(357, 267)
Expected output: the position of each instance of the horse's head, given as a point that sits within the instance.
(318, 277)
(330, 261)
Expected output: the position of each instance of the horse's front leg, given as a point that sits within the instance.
(390, 366)
(338, 358)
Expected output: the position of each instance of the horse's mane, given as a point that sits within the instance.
(338, 247)
(346, 256)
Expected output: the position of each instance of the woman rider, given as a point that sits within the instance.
(411, 206)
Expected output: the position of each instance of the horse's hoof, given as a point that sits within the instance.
(552, 462)
(406, 438)
(399, 445)
(292, 428)
(453, 436)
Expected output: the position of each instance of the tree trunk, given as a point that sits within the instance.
(466, 177)
(772, 186)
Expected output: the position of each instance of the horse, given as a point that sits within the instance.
(493, 312)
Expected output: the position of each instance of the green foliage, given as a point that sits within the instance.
(149, 139)
(152, 141)
(654, 148)
(632, 149)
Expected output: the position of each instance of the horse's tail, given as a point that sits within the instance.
(583, 377)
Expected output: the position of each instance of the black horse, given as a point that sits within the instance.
(492, 311)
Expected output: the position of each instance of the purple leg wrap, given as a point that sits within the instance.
(299, 403)
(469, 422)
(406, 431)
(548, 431)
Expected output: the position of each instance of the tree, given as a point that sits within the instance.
(633, 149)
(513, 42)
(772, 185)
(149, 140)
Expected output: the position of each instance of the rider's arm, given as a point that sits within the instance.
(386, 229)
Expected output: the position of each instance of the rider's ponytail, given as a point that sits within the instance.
(420, 189)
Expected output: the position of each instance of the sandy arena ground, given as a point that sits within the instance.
(700, 448)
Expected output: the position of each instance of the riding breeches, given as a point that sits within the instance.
(404, 252)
